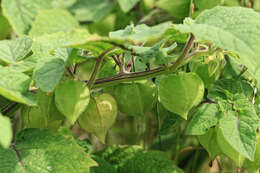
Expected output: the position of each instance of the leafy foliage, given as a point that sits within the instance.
(178, 76)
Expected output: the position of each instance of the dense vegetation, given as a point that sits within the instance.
(129, 86)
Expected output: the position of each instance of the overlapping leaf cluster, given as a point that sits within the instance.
(56, 71)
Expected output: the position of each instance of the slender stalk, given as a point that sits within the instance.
(128, 77)
(97, 68)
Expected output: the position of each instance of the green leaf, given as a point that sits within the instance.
(140, 33)
(26, 65)
(209, 142)
(5, 27)
(179, 93)
(139, 96)
(15, 86)
(230, 28)
(21, 14)
(48, 72)
(12, 51)
(228, 150)
(72, 98)
(5, 131)
(45, 43)
(62, 20)
(127, 5)
(118, 155)
(239, 130)
(206, 117)
(83, 10)
(227, 88)
(151, 161)
(256, 163)
(99, 116)
(157, 52)
(177, 8)
(45, 151)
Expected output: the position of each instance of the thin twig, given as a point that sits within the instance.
(19, 156)
(97, 67)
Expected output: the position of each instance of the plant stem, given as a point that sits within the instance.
(97, 67)
(128, 77)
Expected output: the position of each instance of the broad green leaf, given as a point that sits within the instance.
(12, 51)
(99, 116)
(179, 93)
(44, 151)
(5, 27)
(21, 14)
(72, 98)
(177, 8)
(209, 142)
(256, 163)
(48, 72)
(91, 10)
(230, 28)
(151, 161)
(239, 130)
(206, 117)
(45, 43)
(227, 88)
(140, 33)
(139, 96)
(127, 5)
(62, 20)
(228, 150)
(5, 131)
(15, 86)
(26, 65)
(118, 155)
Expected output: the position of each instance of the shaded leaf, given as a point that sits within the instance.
(21, 13)
(127, 5)
(15, 86)
(12, 51)
(206, 117)
(232, 28)
(62, 21)
(48, 72)
(83, 9)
